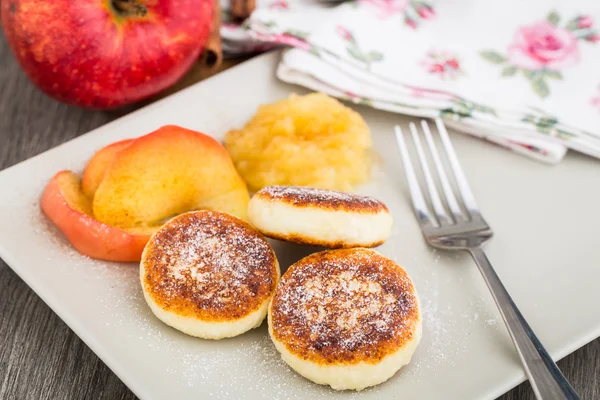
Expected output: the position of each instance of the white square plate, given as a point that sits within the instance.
(546, 250)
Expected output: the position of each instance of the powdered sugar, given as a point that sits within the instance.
(300, 195)
(344, 302)
(213, 258)
(360, 301)
(190, 367)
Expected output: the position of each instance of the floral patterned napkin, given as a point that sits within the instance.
(524, 75)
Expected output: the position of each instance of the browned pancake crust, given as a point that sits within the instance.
(340, 244)
(344, 307)
(210, 266)
(306, 197)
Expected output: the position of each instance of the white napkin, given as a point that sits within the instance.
(525, 76)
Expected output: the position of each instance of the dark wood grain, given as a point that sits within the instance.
(40, 357)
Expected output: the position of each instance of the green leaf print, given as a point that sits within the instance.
(540, 78)
(313, 50)
(509, 71)
(484, 109)
(540, 87)
(448, 114)
(357, 54)
(547, 125)
(299, 34)
(564, 134)
(529, 118)
(375, 56)
(553, 17)
(529, 74)
(493, 56)
(461, 108)
(547, 121)
(266, 24)
(544, 129)
(573, 24)
(552, 75)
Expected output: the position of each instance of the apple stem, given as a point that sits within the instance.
(130, 8)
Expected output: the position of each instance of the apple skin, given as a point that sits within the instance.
(90, 237)
(87, 53)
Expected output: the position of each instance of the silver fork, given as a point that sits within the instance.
(469, 231)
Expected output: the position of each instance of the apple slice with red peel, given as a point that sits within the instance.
(66, 205)
(131, 187)
(98, 165)
(165, 173)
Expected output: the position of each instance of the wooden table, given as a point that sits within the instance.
(40, 357)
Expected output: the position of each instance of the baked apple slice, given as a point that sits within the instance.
(165, 173)
(66, 205)
(98, 164)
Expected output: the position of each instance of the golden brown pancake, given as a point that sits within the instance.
(348, 318)
(320, 217)
(207, 267)
(300, 196)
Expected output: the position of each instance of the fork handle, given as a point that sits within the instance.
(545, 377)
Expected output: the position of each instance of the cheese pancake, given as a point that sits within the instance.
(346, 318)
(209, 274)
(320, 217)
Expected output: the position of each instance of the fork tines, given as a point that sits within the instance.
(420, 205)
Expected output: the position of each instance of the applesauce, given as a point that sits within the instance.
(312, 140)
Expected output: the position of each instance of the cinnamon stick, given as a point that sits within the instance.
(212, 55)
(241, 9)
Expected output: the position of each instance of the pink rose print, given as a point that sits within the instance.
(279, 5)
(585, 22)
(426, 12)
(431, 94)
(543, 45)
(386, 8)
(291, 38)
(345, 33)
(351, 95)
(413, 12)
(411, 23)
(288, 38)
(356, 99)
(541, 50)
(293, 41)
(443, 64)
(416, 12)
(354, 50)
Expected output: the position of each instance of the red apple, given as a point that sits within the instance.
(106, 53)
